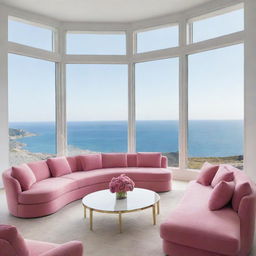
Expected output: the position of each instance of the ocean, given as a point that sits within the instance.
(206, 138)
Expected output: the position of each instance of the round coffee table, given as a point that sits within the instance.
(104, 201)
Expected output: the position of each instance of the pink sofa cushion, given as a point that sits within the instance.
(59, 166)
(207, 174)
(40, 169)
(91, 161)
(164, 162)
(221, 195)
(24, 175)
(132, 160)
(149, 159)
(113, 160)
(47, 190)
(11, 236)
(74, 163)
(194, 225)
(223, 174)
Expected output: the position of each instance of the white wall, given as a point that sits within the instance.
(250, 89)
(4, 139)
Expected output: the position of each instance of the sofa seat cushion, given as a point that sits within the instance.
(105, 175)
(47, 190)
(192, 224)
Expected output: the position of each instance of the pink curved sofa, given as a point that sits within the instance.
(13, 244)
(48, 194)
(192, 229)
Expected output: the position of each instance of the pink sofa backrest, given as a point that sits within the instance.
(132, 160)
(246, 209)
(75, 162)
(11, 242)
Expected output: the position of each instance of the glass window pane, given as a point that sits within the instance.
(157, 39)
(216, 107)
(96, 43)
(97, 108)
(157, 107)
(219, 25)
(30, 35)
(31, 109)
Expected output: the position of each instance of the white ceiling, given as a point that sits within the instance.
(104, 10)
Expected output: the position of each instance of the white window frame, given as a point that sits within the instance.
(135, 51)
(59, 56)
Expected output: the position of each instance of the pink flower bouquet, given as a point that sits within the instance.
(120, 185)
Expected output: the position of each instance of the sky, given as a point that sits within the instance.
(100, 92)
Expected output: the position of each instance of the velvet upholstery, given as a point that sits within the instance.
(12, 244)
(149, 159)
(40, 170)
(24, 175)
(58, 166)
(112, 160)
(243, 187)
(221, 195)
(47, 190)
(132, 160)
(91, 162)
(207, 174)
(73, 248)
(193, 229)
(49, 195)
(75, 163)
(223, 174)
(12, 241)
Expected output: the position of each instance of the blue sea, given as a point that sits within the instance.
(205, 138)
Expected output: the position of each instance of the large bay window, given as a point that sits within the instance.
(216, 24)
(31, 109)
(30, 34)
(216, 107)
(97, 108)
(157, 38)
(96, 43)
(187, 110)
(157, 107)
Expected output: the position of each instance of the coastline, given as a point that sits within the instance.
(20, 155)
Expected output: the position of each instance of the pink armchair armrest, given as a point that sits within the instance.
(73, 248)
(13, 189)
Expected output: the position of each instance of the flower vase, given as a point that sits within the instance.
(121, 195)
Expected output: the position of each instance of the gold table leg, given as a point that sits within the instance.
(120, 222)
(158, 207)
(91, 218)
(154, 214)
(84, 212)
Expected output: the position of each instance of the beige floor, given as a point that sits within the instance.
(139, 236)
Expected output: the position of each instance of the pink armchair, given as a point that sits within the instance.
(12, 244)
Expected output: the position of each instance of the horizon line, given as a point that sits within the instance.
(53, 121)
